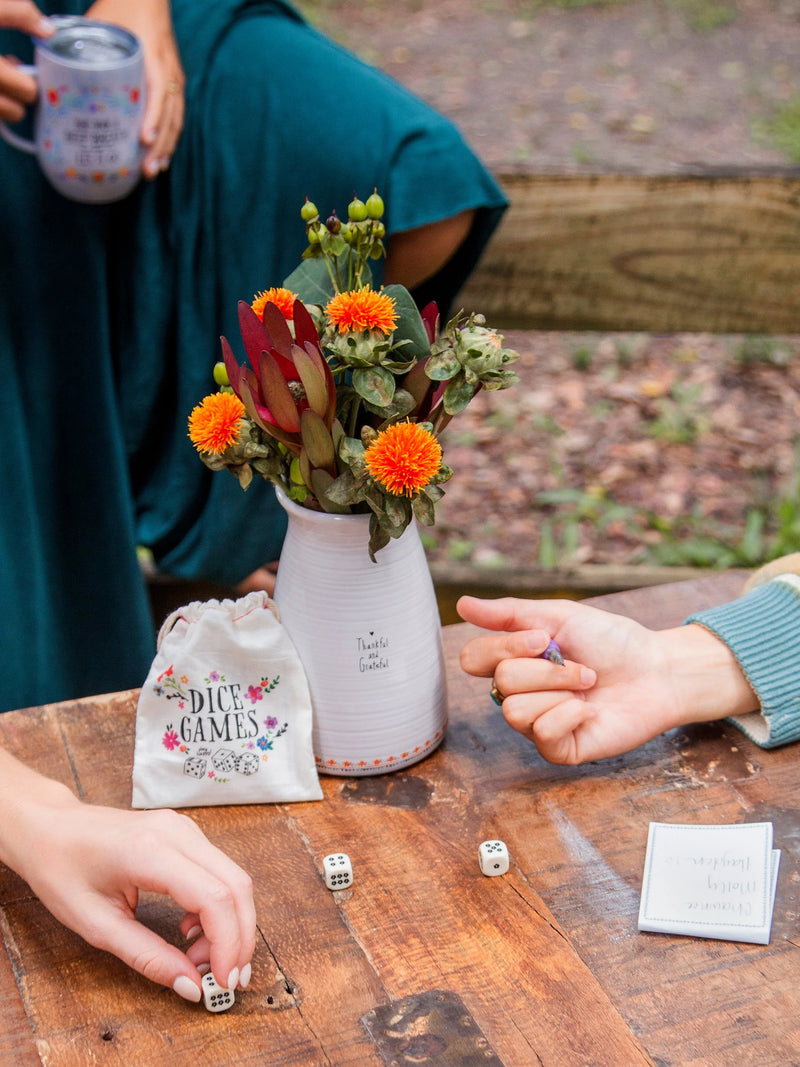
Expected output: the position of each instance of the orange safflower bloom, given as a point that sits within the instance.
(362, 309)
(283, 299)
(404, 458)
(216, 422)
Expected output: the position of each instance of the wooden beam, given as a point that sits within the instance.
(715, 253)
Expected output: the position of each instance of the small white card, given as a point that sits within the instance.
(710, 881)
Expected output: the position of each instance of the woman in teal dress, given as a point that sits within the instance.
(110, 315)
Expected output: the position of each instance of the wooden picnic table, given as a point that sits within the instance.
(424, 960)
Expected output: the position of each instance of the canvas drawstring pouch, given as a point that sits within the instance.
(225, 714)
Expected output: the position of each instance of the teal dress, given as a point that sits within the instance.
(110, 318)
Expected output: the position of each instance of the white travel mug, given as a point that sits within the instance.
(89, 112)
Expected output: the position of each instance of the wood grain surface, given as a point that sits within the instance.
(425, 960)
(716, 253)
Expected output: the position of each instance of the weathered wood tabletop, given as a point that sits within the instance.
(425, 960)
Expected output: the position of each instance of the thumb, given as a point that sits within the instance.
(144, 951)
(24, 15)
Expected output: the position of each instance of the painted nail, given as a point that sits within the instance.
(187, 989)
(195, 930)
(244, 976)
(203, 968)
(233, 978)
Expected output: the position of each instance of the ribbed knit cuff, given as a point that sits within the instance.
(762, 629)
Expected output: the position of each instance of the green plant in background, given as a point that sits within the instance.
(682, 416)
(559, 533)
(783, 129)
(581, 358)
(703, 16)
(757, 348)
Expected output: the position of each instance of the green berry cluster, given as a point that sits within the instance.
(347, 246)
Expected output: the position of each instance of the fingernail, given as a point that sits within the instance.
(46, 27)
(588, 676)
(195, 930)
(244, 976)
(233, 978)
(152, 167)
(203, 968)
(187, 989)
(164, 163)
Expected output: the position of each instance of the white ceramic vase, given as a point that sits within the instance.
(369, 637)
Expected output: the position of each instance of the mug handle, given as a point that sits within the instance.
(9, 135)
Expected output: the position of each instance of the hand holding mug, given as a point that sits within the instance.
(18, 90)
(162, 123)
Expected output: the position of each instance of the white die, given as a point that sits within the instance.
(493, 858)
(216, 998)
(338, 870)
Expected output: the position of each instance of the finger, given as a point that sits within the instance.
(513, 613)
(191, 927)
(512, 676)
(481, 655)
(26, 16)
(17, 90)
(206, 883)
(200, 953)
(549, 721)
(162, 124)
(119, 933)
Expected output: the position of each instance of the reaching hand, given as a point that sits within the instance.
(18, 91)
(162, 122)
(88, 864)
(621, 685)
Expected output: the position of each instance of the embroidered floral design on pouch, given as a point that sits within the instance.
(220, 735)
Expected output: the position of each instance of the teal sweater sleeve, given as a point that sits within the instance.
(762, 629)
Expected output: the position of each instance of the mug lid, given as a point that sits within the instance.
(84, 42)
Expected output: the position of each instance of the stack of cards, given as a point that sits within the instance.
(710, 881)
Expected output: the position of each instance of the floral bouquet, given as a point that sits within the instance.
(348, 388)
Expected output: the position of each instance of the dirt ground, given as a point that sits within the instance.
(651, 86)
(613, 449)
(627, 450)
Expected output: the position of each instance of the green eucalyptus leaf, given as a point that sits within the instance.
(410, 326)
(351, 451)
(378, 537)
(443, 366)
(424, 510)
(402, 404)
(374, 384)
(397, 510)
(433, 492)
(311, 281)
(345, 490)
(322, 484)
(457, 396)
